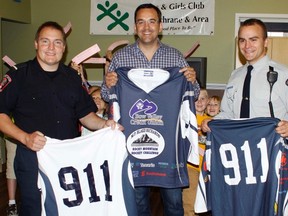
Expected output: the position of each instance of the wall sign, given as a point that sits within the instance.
(185, 17)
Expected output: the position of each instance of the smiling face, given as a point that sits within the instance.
(201, 103)
(252, 43)
(213, 107)
(100, 103)
(50, 47)
(147, 26)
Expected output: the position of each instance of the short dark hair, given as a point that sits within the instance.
(148, 5)
(253, 21)
(53, 25)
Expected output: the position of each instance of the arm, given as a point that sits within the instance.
(111, 79)
(94, 122)
(204, 125)
(34, 141)
(80, 70)
(190, 75)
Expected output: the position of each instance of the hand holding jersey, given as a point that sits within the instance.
(111, 78)
(282, 128)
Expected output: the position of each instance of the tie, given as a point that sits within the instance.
(245, 105)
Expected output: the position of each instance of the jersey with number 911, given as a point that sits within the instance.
(88, 175)
(243, 171)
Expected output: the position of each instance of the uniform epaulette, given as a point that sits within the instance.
(20, 65)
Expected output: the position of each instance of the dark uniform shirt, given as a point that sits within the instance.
(49, 102)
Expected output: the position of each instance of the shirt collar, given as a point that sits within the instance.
(260, 62)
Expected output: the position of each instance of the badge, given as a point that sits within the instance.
(5, 81)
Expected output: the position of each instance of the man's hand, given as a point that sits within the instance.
(113, 125)
(204, 125)
(282, 128)
(111, 79)
(35, 141)
(189, 73)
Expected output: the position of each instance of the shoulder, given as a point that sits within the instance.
(278, 67)
(170, 49)
(238, 71)
(18, 70)
(14, 76)
(68, 70)
(70, 73)
(205, 116)
(127, 49)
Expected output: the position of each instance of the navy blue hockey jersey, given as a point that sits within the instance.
(244, 169)
(156, 108)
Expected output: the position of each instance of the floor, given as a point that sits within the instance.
(3, 193)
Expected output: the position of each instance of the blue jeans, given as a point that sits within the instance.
(171, 197)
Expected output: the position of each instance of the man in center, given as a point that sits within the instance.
(148, 52)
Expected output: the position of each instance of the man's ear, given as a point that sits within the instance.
(36, 45)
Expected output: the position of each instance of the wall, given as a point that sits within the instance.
(12, 11)
(16, 10)
(219, 48)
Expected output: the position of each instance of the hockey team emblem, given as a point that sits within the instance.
(145, 143)
(143, 112)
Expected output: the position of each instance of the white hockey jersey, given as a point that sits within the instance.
(85, 176)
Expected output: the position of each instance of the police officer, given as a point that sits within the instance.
(253, 43)
(46, 98)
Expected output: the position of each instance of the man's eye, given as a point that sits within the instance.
(58, 43)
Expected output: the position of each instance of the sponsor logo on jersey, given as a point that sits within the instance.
(163, 164)
(283, 159)
(147, 165)
(145, 143)
(144, 113)
(5, 81)
(135, 174)
(179, 165)
(147, 173)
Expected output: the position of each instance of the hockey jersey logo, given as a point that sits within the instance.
(147, 107)
(145, 143)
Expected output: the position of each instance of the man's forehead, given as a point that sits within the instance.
(146, 13)
(48, 31)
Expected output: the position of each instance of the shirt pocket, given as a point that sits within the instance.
(231, 92)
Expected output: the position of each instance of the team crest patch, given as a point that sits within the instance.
(145, 143)
(5, 81)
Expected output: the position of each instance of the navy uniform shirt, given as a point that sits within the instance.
(49, 102)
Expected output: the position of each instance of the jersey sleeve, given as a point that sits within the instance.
(188, 124)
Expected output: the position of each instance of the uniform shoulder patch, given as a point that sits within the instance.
(5, 82)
